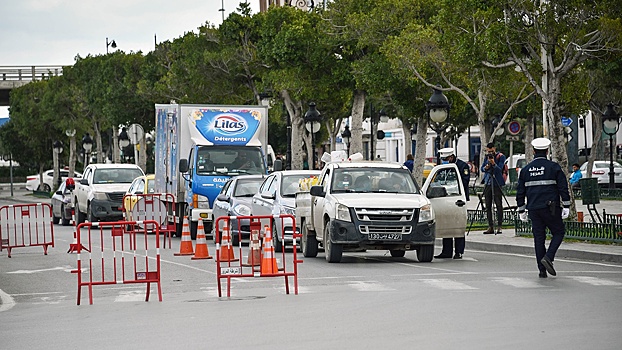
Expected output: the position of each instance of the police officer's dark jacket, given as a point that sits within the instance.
(542, 181)
(465, 175)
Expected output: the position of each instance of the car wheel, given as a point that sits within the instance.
(46, 188)
(276, 243)
(80, 217)
(63, 219)
(308, 243)
(55, 219)
(333, 251)
(425, 253)
(89, 214)
(397, 253)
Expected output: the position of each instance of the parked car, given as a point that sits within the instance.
(62, 208)
(235, 200)
(32, 181)
(427, 167)
(277, 195)
(138, 186)
(600, 170)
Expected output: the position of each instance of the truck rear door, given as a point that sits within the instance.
(445, 190)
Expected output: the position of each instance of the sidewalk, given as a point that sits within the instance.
(507, 242)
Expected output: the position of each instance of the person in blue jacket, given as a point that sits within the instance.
(576, 176)
(492, 168)
(410, 162)
(544, 186)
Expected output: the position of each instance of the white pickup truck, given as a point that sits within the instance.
(99, 194)
(376, 205)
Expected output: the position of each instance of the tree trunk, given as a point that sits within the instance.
(422, 136)
(358, 107)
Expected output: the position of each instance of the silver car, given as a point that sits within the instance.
(276, 196)
(62, 208)
(234, 199)
(600, 170)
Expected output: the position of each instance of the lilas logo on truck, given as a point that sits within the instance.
(227, 127)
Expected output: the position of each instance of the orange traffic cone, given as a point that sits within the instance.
(185, 248)
(226, 250)
(268, 260)
(254, 256)
(201, 251)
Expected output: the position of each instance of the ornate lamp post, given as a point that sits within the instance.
(346, 135)
(87, 145)
(437, 109)
(611, 125)
(110, 43)
(312, 120)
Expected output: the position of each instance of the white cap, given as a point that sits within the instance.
(446, 152)
(541, 143)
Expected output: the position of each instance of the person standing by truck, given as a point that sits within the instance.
(448, 155)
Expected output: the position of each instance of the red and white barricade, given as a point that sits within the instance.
(110, 254)
(152, 206)
(271, 264)
(26, 225)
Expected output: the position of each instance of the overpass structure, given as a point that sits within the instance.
(12, 77)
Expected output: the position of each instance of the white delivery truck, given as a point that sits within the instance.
(198, 148)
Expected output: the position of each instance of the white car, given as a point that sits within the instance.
(600, 170)
(62, 208)
(32, 181)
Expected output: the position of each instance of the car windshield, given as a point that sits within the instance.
(116, 175)
(247, 187)
(291, 184)
(229, 160)
(373, 180)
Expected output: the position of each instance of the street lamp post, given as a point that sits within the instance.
(413, 139)
(437, 109)
(58, 149)
(87, 145)
(112, 43)
(288, 152)
(346, 135)
(611, 125)
(312, 120)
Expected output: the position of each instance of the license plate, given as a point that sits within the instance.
(385, 236)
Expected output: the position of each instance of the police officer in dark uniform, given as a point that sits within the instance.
(543, 183)
(449, 156)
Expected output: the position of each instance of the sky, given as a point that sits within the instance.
(53, 32)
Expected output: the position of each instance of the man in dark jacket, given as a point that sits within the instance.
(449, 156)
(543, 183)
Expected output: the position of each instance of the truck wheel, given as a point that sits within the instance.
(397, 253)
(89, 214)
(308, 243)
(333, 251)
(63, 220)
(80, 217)
(193, 229)
(276, 243)
(425, 253)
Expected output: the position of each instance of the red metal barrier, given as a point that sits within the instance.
(228, 266)
(26, 225)
(152, 206)
(109, 254)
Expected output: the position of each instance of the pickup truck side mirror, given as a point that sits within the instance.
(84, 182)
(317, 191)
(267, 195)
(436, 192)
(223, 197)
(183, 165)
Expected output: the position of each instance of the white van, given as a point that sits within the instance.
(516, 161)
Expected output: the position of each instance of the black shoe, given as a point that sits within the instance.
(548, 265)
(542, 274)
(490, 231)
(457, 256)
(499, 231)
(443, 256)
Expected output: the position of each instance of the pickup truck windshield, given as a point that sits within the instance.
(115, 176)
(229, 160)
(373, 180)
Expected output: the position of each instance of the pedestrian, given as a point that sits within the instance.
(493, 181)
(542, 183)
(410, 162)
(576, 176)
(449, 156)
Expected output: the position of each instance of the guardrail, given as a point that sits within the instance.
(29, 73)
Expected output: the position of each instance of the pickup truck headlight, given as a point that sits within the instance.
(343, 213)
(426, 213)
(202, 202)
(100, 196)
(242, 210)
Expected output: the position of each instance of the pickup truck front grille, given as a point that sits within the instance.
(116, 196)
(367, 229)
(367, 214)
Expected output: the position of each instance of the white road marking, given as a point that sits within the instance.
(517, 282)
(595, 281)
(369, 286)
(65, 268)
(130, 296)
(446, 284)
(7, 301)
